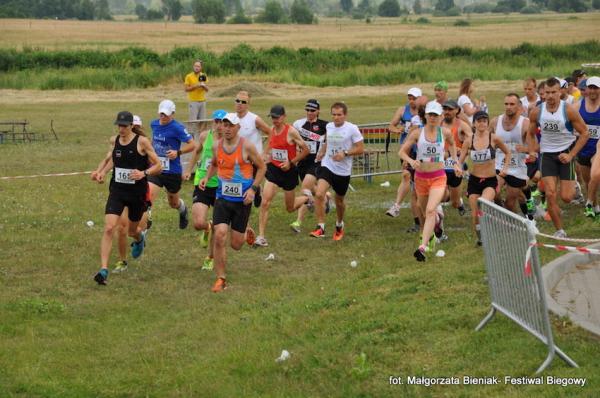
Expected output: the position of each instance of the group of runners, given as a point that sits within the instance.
(529, 149)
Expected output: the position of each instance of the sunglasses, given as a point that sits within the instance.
(311, 110)
(239, 101)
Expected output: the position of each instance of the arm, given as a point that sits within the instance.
(500, 144)
(296, 139)
(105, 165)
(396, 119)
(147, 149)
(531, 139)
(404, 152)
(466, 130)
(492, 125)
(261, 169)
(580, 126)
(188, 172)
(465, 150)
(469, 109)
(185, 148)
(450, 140)
(523, 148)
(322, 151)
(212, 169)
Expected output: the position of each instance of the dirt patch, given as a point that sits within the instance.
(255, 90)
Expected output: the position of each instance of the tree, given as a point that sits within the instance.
(510, 5)
(346, 5)
(141, 11)
(444, 5)
(364, 6)
(273, 12)
(596, 4)
(103, 10)
(417, 7)
(207, 11)
(172, 9)
(300, 13)
(389, 8)
(86, 10)
(567, 5)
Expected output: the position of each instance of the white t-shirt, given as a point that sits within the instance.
(462, 101)
(340, 139)
(525, 103)
(249, 131)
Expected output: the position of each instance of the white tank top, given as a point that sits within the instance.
(512, 138)
(249, 131)
(430, 151)
(557, 133)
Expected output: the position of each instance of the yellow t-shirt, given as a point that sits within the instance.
(576, 94)
(197, 94)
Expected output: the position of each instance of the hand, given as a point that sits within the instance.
(533, 155)
(503, 172)
(186, 176)
(565, 158)
(137, 175)
(338, 157)
(98, 176)
(319, 157)
(249, 196)
(202, 183)
(416, 165)
(285, 166)
(94, 175)
(171, 154)
(458, 170)
(520, 148)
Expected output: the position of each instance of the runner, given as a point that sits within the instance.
(465, 102)
(282, 170)
(511, 127)
(204, 199)
(589, 109)
(342, 142)
(401, 124)
(531, 97)
(558, 147)
(170, 140)
(430, 178)
(131, 156)
(460, 132)
(234, 163)
(312, 130)
(251, 127)
(482, 180)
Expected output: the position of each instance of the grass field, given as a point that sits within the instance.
(330, 33)
(158, 331)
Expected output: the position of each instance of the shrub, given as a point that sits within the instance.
(453, 12)
(462, 22)
(479, 8)
(423, 20)
(530, 10)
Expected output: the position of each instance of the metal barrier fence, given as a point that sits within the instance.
(516, 287)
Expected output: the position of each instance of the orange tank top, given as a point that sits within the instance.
(454, 130)
(235, 174)
(281, 150)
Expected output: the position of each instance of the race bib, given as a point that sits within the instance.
(551, 126)
(164, 162)
(281, 155)
(233, 189)
(594, 131)
(430, 150)
(480, 156)
(123, 176)
(207, 163)
(449, 163)
(312, 146)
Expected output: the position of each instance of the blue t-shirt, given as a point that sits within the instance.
(169, 137)
(592, 120)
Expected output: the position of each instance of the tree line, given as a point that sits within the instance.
(55, 9)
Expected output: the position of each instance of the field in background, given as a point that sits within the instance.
(486, 31)
(158, 331)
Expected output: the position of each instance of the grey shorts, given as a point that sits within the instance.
(197, 110)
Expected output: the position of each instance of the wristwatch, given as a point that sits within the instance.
(345, 153)
(255, 188)
(179, 152)
(145, 173)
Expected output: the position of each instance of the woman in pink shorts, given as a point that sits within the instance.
(430, 177)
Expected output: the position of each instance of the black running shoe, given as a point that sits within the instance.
(101, 277)
(257, 198)
(419, 255)
(183, 219)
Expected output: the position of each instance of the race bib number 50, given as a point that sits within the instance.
(233, 189)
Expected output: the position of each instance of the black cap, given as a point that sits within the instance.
(450, 104)
(480, 115)
(569, 79)
(124, 118)
(312, 104)
(277, 111)
(578, 73)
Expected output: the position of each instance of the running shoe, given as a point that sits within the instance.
(250, 236)
(208, 263)
(461, 210)
(310, 205)
(589, 211)
(257, 198)
(339, 233)
(535, 193)
(183, 219)
(295, 226)
(579, 199)
(431, 244)
(318, 233)
(413, 229)
(420, 254)
(260, 241)
(220, 285)
(101, 277)
(393, 211)
(560, 234)
(120, 266)
(137, 248)
(530, 207)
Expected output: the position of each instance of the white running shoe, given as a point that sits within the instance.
(560, 234)
(261, 241)
(393, 211)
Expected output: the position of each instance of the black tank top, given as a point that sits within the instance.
(126, 158)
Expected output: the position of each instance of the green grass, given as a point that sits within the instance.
(158, 331)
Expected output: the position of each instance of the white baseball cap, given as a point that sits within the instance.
(563, 82)
(415, 92)
(137, 121)
(167, 107)
(232, 118)
(434, 107)
(593, 81)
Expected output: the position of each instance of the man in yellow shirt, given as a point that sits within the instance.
(196, 88)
